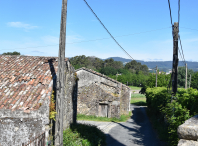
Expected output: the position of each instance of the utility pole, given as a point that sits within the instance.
(189, 81)
(156, 78)
(60, 90)
(186, 78)
(175, 57)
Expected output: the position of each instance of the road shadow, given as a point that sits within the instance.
(94, 135)
(138, 129)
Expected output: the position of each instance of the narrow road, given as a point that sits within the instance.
(137, 131)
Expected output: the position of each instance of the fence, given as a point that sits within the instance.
(38, 141)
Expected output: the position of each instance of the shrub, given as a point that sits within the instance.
(83, 135)
(172, 111)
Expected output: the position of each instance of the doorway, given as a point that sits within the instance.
(103, 110)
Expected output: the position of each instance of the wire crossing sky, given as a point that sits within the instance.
(33, 27)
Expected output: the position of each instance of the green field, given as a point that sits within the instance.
(135, 88)
(138, 99)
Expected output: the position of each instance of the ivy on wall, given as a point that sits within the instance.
(52, 107)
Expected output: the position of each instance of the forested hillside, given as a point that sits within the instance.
(162, 65)
(133, 73)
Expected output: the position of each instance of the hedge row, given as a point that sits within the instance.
(172, 111)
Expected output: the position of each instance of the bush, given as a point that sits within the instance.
(83, 135)
(173, 112)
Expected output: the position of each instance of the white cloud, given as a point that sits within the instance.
(21, 25)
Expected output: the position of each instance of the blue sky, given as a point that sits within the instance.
(32, 27)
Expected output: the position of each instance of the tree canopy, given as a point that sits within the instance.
(12, 53)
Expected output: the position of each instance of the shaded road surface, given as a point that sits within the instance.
(137, 131)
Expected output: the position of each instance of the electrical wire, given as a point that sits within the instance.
(181, 56)
(107, 30)
(181, 48)
(94, 39)
(189, 28)
(170, 12)
(178, 13)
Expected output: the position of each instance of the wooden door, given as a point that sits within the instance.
(103, 110)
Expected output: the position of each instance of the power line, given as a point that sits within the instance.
(189, 28)
(181, 48)
(107, 30)
(178, 12)
(181, 56)
(94, 39)
(170, 12)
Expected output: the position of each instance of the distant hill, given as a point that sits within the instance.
(162, 65)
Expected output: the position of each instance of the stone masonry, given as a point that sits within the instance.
(26, 85)
(188, 132)
(100, 95)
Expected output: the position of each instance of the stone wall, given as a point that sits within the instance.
(70, 102)
(96, 91)
(125, 100)
(18, 126)
(92, 96)
(188, 132)
(15, 131)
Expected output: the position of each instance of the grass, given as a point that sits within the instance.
(138, 99)
(138, 96)
(135, 88)
(83, 135)
(123, 118)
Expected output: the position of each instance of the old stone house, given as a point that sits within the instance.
(26, 87)
(100, 95)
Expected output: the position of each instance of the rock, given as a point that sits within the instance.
(189, 130)
(183, 142)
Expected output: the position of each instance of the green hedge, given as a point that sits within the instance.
(174, 113)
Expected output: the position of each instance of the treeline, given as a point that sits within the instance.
(12, 53)
(133, 73)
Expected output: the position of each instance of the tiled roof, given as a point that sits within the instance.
(26, 81)
(101, 75)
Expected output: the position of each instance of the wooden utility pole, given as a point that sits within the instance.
(156, 78)
(189, 81)
(175, 57)
(60, 90)
(186, 78)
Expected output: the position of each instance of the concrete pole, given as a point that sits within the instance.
(60, 85)
(186, 78)
(189, 81)
(156, 78)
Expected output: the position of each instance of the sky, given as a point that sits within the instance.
(141, 27)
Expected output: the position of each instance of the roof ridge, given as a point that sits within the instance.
(102, 75)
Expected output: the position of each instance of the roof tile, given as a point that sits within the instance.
(25, 81)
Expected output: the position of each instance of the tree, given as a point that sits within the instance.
(182, 76)
(194, 81)
(136, 67)
(12, 53)
(108, 71)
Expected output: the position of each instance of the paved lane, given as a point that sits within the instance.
(137, 131)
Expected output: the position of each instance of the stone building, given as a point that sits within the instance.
(26, 87)
(100, 95)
